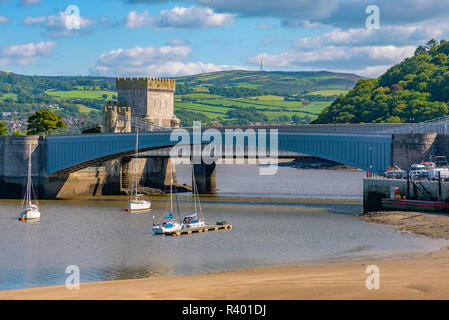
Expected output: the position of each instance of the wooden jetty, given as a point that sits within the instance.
(198, 230)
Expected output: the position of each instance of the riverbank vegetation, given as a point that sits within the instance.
(415, 90)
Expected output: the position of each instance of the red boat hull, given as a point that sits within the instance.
(420, 205)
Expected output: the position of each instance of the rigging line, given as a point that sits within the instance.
(177, 205)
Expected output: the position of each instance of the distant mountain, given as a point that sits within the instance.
(415, 90)
(281, 82)
(227, 97)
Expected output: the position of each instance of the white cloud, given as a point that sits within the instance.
(337, 13)
(55, 25)
(24, 54)
(4, 20)
(29, 3)
(369, 72)
(302, 9)
(358, 50)
(366, 60)
(151, 61)
(391, 35)
(179, 17)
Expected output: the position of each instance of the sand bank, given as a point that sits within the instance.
(412, 277)
(418, 276)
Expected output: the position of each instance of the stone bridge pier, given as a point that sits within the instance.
(111, 178)
(205, 177)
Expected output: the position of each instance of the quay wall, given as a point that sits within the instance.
(376, 189)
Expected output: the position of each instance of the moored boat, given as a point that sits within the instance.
(168, 223)
(134, 203)
(419, 205)
(29, 210)
(194, 221)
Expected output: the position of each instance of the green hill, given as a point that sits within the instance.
(415, 90)
(227, 98)
(243, 97)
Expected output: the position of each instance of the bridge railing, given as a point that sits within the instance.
(423, 127)
(438, 125)
(142, 124)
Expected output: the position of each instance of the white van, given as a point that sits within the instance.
(444, 173)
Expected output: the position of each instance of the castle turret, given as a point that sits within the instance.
(149, 98)
(116, 118)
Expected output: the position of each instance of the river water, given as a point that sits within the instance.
(296, 216)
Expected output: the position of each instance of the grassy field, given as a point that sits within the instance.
(9, 96)
(327, 93)
(273, 109)
(81, 94)
(84, 109)
(278, 91)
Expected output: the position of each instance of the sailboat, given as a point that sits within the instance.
(29, 210)
(136, 204)
(168, 223)
(194, 220)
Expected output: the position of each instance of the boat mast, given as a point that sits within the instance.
(28, 191)
(196, 195)
(136, 159)
(194, 187)
(171, 189)
(133, 176)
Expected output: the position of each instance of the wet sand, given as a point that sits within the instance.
(417, 276)
(424, 224)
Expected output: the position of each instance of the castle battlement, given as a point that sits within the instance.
(110, 118)
(149, 98)
(114, 107)
(146, 83)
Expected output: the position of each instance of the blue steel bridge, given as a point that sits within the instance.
(364, 146)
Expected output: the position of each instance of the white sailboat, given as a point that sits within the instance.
(29, 210)
(136, 204)
(168, 223)
(194, 220)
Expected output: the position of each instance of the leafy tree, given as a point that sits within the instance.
(17, 133)
(44, 121)
(96, 129)
(3, 129)
(417, 88)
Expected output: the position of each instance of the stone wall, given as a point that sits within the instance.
(412, 148)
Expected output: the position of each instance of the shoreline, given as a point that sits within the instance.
(421, 275)
(402, 277)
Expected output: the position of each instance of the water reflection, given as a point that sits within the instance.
(108, 244)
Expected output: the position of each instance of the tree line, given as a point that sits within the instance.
(415, 90)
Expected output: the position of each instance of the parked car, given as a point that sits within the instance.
(444, 173)
(395, 174)
(419, 174)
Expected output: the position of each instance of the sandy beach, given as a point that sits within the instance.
(417, 276)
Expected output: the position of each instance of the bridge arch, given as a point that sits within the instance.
(370, 152)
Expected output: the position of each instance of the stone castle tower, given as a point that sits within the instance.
(149, 98)
(111, 123)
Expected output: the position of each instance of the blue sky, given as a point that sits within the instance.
(174, 38)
